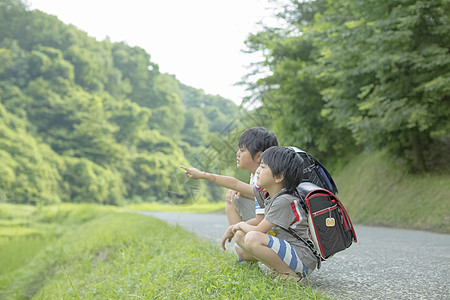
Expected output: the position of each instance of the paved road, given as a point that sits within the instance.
(384, 264)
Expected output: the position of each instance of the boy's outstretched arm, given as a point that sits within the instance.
(245, 189)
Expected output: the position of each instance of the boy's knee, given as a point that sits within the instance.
(239, 236)
(253, 239)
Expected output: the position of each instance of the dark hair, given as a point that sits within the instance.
(284, 160)
(257, 139)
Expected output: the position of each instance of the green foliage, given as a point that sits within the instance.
(358, 73)
(168, 118)
(49, 63)
(219, 112)
(138, 72)
(74, 124)
(390, 67)
(195, 129)
(29, 170)
(291, 94)
(92, 183)
(89, 121)
(130, 119)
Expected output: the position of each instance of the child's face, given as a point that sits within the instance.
(244, 160)
(264, 176)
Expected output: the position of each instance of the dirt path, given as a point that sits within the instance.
(384, 264)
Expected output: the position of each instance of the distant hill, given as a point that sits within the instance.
(83, 120)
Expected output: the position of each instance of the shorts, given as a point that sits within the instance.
(287, 253)
(246, 208)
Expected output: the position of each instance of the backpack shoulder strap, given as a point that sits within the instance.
(301, 201)
(308, 243)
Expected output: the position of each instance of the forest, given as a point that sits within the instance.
(93, 121)
(83, 120)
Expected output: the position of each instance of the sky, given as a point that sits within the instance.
(198, 41)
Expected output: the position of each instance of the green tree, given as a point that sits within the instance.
(138, 71)
(168, 117)
(74, 124)
(219, 112)
(291, 92)
(12, 16)
(388, 65)
(29, 171)
(195, 129)
(155, 169)
(89, 182)
(15, 64)
(131, 120)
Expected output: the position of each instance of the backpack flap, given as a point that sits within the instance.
(304, 188)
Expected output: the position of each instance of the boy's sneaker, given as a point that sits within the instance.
(268, 271)
(240, 260)
(293, 277)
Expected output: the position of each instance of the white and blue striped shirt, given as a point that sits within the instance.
(258, 209)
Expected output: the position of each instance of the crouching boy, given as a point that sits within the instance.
(269, 242)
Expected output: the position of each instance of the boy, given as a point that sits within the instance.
(280, 171)
(251, 145)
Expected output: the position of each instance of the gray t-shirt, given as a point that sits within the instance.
(284, 211)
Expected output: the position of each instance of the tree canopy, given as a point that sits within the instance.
(357, 74)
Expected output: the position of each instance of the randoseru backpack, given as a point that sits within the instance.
(315, 172)
(330, 227)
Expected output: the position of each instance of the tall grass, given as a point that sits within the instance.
(93, 252)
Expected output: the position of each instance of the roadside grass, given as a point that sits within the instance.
(200, 207)
(94, 252)
(378, 191)
(26, 231)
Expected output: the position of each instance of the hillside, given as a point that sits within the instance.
(93, 121)
(378, 191)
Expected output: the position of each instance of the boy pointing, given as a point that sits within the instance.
(279, 173)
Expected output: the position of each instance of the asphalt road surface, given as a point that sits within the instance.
(384, 264)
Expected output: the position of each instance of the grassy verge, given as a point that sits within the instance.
(203, 207)
(377, 191)
(89, 252)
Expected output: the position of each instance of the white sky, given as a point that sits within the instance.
(199, 41)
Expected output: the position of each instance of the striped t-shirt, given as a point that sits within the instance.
(258, 209)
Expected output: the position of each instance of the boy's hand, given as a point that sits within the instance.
(227, 236)
(193, 173)
(237, 227)
(229, 197)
